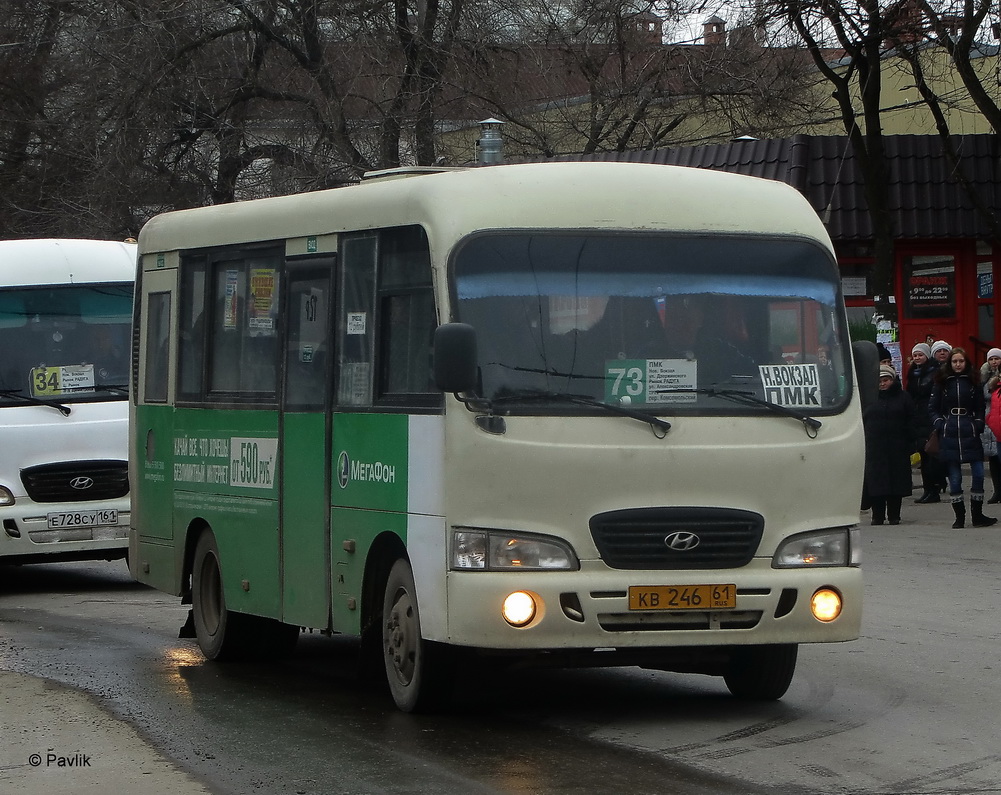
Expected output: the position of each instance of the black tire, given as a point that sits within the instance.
(217, 630)
(418, 671)
(761, 673)
(221, 633)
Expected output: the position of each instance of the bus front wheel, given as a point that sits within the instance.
(418, 671)
(761, 673)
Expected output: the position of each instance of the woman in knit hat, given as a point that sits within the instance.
(989, 378)
(957, 411)
(940, 350)
(920, 381)
(889, 442)
(989, 368)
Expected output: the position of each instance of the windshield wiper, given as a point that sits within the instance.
(746, 398)
(656, 423)
(31, 400)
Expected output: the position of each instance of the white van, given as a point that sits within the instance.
(65, 320)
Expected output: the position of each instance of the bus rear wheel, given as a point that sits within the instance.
(761, 673)
(216, 628)
(418, 671)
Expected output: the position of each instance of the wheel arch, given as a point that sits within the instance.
(386, 549)
(193, 532)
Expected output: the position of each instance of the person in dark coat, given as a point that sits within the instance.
(889, 441)
(956, 409)
(919, 383)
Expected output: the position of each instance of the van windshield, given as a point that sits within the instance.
(657, 321)
(64, 344)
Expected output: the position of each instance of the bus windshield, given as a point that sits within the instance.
(664, 322)
(64, 344)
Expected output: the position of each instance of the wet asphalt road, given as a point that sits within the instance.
(909, 708)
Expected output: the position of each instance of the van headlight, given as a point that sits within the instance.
(6, 496)
(495, 550)
(833, 547)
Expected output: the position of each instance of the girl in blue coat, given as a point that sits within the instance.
(956, 409)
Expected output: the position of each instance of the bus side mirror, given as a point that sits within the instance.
(455, 368)
(866, 370)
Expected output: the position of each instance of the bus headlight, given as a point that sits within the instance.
(493, 550)
(6, 497)
(833, 547)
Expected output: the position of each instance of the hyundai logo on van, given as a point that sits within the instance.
(81, 483)
(682, 541)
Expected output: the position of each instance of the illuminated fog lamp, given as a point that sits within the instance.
(519, 608)
(6, 497)
(826, 604)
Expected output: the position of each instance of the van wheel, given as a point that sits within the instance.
(418, 671)
(217, 630)
(761, 673)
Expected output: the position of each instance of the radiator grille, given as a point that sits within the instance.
(640, 538)
(77, 481)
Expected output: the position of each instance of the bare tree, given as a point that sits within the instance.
(861, 29)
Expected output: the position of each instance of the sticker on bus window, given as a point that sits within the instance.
(73, 379)
(231, 294)
(794, 385)
(263, 308)
(648, 381)
(356, 323)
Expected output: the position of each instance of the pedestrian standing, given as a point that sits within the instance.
(919, 383)
(940, 350)
(956, 409)
(989, 378)
(889, 442)
(992, 394)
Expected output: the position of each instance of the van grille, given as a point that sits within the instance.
(638, 538)
(77, 481)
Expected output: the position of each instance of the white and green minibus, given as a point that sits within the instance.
(65, 318)
(559, 413)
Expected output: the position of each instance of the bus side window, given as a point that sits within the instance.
(406, 315)
(229, 344)
(191, 341)
(244, 340)
(157, 341)
(355, 321)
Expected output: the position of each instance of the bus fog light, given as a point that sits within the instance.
(826, 604)
(519, 608)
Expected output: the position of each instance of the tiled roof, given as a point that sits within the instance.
(926, 199)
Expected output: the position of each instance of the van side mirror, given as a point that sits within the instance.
(866, 371)
(455, 365)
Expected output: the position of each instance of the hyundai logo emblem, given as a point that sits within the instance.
(82, 482)
(682, 541)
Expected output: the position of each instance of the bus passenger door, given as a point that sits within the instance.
(305, 447)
